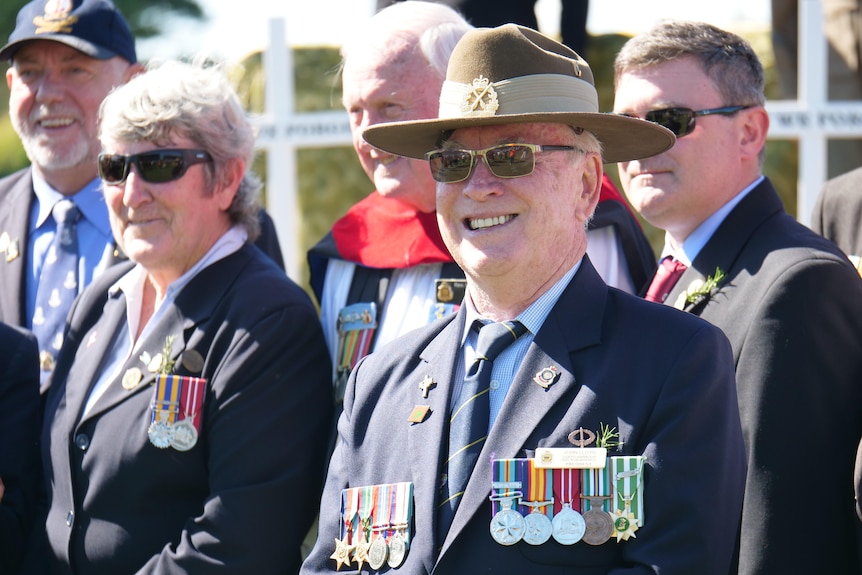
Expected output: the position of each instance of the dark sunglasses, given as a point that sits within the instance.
(505, 161)
(681, 121)
(155, 167)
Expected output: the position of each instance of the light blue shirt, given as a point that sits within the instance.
(698, 238)
(95, 241)
(507, 363)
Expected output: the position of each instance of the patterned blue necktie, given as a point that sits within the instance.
(468, 426)
(58, 285)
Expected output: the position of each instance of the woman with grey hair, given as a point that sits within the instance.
(188, 417)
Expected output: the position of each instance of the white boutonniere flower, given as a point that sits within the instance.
(699, 289)
(160, 363)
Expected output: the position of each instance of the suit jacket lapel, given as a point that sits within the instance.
(430, 436)
(92, 351)
(14, 221)
(171, 324)
(193, 306)
(726, 244)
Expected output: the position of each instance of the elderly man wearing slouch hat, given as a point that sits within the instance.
(511, 437)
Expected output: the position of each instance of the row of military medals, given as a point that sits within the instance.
(375, 525)
(175, 412)
(535, 499)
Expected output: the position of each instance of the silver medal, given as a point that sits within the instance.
(538, 528)
(569, 525)
(161, 432)
(185, 435)
(397, 550)
(507, 526)
(378, 553)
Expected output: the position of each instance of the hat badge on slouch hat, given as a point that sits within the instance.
(515, 75)
(94, 27)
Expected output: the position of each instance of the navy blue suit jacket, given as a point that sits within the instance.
(662, 378)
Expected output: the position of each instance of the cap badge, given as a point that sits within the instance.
(56, 18)
(480, 99)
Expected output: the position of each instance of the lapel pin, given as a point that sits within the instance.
(192, 360)
(426, 385)
(419, 413)
(12, 250)
(132, 378)
(92, 339)
(547, 377)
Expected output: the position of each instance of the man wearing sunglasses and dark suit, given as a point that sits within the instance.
(445, 431)
(65, 57)
(789, 301)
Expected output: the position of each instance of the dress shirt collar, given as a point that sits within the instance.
(535, 315)
(89, 200)
(698, 238)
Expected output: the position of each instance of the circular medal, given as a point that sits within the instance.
(378, 553)
(161, 434)
(600, 527)
(185, 435)
(507, 527)
(537, 528)
(569, 525)
(397, 550)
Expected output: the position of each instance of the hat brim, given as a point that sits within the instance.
(623, 138)
(88, 48)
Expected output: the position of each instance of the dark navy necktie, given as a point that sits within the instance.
(468, 426)
(58, 285)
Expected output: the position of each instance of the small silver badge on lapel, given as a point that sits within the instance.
(547, 377)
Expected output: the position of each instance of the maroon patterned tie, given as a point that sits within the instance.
(668, 273)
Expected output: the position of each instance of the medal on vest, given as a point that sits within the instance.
(356, 325)
(627, 473)
(367, 496)
(595, 492)
(569, 525)
(163, 411)
(187, 430)
(345, 545)
(378, 553)
(507, 525)
(539, 490)
(399, 543)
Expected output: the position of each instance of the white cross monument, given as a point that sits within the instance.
(812, 119)
(281, 133)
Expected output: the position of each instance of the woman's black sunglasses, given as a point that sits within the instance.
(155, 167)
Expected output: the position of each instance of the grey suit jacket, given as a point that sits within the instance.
(242, 499)
(664, 381)
(791, 305)
(837, 213)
